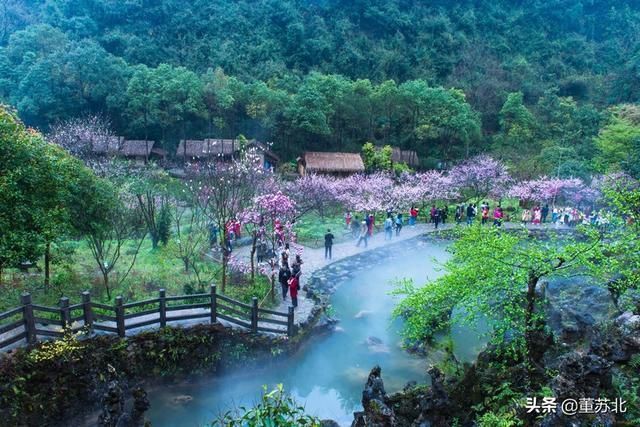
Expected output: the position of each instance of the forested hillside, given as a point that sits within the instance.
(526, 79)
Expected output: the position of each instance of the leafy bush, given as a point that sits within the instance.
(276, 409)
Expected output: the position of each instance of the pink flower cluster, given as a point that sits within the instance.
(553, 190)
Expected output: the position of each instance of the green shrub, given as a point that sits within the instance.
(276, 409)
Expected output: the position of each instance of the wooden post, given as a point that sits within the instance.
(290, 324)
(65, 316)
(87, 310)
(254, 316)
(29, 320)
(120, 317)
(163, 308)
(214, 304)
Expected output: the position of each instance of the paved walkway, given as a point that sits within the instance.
(313, 259)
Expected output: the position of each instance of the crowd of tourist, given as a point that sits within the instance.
(363, 228)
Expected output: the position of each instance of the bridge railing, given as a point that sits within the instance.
(30, 321)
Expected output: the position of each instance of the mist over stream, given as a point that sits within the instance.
(327, 375)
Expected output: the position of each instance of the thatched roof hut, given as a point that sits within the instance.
(330, 163)
(268, 157)
(104, 144)
(206, 148)
(409, 157)
(224, 149)
(140, 149)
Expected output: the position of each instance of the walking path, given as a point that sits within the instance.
(313, 259)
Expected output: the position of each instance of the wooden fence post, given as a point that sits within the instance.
(65, 316)
(290, 324)
(29, 320)
(120, 317)
(214, 304)
(163, 308)
(87, 310)
(254, 315)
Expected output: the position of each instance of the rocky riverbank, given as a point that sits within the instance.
(605, 366)
(55, 382)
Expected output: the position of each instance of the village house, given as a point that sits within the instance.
(196, 150)
(103, 145)
(338, 164)
(138, 150)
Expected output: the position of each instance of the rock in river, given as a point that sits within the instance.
(182, 399)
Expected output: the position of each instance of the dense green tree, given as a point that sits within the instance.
(40, 187)
(330, 74)
(142, 100)
(497, 274)
(619, 142)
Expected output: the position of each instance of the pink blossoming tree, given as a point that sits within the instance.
(480, 177)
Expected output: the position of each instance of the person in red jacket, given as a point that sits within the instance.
(413, 216)
(293, 290)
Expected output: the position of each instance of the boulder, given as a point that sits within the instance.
(581, 374)
(362, 314)
(324, 324)
(181, 399)
(375, 345)
(377, 412)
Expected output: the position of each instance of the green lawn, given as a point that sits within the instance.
(311, 228)
(75, 271)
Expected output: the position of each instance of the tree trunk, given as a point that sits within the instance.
(273, 287)
(530, 327)
(253, 251)
(225, 258)
(105, 278)
(47, 263)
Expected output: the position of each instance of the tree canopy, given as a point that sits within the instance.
(447, 79)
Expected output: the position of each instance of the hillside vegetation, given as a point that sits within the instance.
(527, 79)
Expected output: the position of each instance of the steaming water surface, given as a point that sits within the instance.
(329, 373)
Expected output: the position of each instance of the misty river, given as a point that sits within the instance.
(328, 373)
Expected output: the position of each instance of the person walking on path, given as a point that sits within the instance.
(413, 216)
(470, 214)
(372, 224)
(545, 213)
(526, 217)
(347, 220)
(459, 213)
(497, 216)
(444, 213)
(294, 285)
(328, 244)
(537, 215)
(364, 234)
(485, 213)
(398, 224)
(388, 228)
(355, 227)
(283, 277)
(437, 213)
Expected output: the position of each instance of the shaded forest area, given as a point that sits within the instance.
(525, 79)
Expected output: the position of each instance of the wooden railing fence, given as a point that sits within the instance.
(30, 321)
